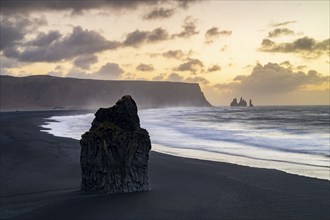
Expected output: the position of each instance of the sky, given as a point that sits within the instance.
(273, 52)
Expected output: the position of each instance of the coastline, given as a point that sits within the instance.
(236, 160)
(182, 188)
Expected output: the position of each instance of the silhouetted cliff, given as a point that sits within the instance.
(48, 92)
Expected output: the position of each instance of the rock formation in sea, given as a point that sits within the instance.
(115, 151)
(250, 104)
(241, 103)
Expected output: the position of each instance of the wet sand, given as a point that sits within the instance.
(40, 179)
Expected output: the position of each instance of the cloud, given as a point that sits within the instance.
(145, 67)
(79, 42)
(45, 39)
(272, 79)
(159, 13)
(214, 68)
(137, 38)
(4, 71)
(85, 61)
(197, 79)
(108, 71)
(279, 32)
(189, 28)
(306, 47)
(222, 49)
(192, 65)
(287, 64)
(55, 73)
(278, 24)
(175, 77)
(9, 63)
(75, 73)
(186, 3)
(213, 33)
(77, 7)
(160, 77)
(15, 27)
(176, 54)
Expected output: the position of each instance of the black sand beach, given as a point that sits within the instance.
(34, 161)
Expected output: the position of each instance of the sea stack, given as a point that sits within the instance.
(115, 151)
(241, 103)
(250, 104)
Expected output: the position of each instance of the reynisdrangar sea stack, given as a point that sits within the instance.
(115, 151)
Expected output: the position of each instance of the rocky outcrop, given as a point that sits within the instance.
(115, 151)
(250, 104)
(48, 92)
(241, 103)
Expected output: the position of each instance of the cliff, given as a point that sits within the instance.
(48, 92)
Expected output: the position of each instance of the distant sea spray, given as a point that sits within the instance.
(294, 139)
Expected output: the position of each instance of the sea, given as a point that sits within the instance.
(293, 139)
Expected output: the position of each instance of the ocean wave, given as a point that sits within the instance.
(278, 137)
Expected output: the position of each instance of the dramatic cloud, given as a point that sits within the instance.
(272, 79)
(77, 7)
(85, 61)
(189, 28)
(306, 47)
(14, 28)
(214, 68)
(79, 42)
(213, 33)
(137, 38)
(282, 23)
(145, 67)
(45, 39)
(159, 13)
(192, 65)
(279, 32)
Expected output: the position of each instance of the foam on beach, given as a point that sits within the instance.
(210, 134)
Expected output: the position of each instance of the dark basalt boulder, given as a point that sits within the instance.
(115, 151)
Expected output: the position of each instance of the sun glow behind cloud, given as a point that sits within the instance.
(127, 37)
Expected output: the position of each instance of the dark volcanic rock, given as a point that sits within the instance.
(251, 105)
(115, 151)
(241, 103)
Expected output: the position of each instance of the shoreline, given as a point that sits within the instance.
(182, 188)
(309, 165)
(230, 159)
